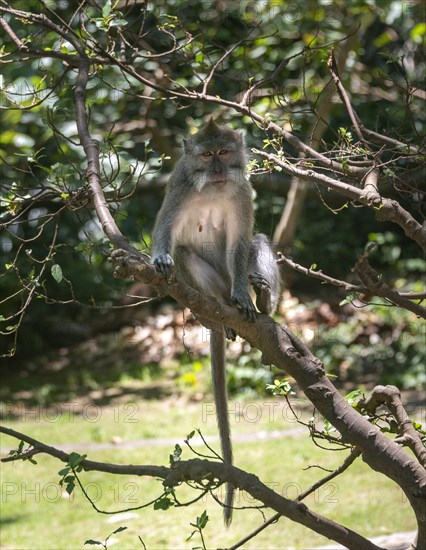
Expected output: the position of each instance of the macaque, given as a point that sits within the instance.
(204, 231)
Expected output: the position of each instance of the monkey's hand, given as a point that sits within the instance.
(242, 299)
(164, 264)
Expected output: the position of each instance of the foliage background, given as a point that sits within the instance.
(141, 133)
(73, 344)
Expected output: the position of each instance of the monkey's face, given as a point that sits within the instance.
(215, 157)
(219, 167)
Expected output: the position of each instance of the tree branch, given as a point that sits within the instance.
(386, 210)
(391, 397)
(371, 188)
(91, 148)
(199, 470)
(347, 462)
(332, 65)
(318, 274)
(44, 21)
(31, 52)
(281, 348)
(411, 149)
(372, 284)
(244, 109)
(375, 285)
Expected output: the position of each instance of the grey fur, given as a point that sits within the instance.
(205, 230)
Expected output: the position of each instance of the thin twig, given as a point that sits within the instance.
(355, 453)
(356, 122)
(318, 274)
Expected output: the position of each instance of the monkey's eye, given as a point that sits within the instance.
(207, 154)
(223, 152)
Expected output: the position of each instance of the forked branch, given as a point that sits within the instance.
(199, 470)
(390, 396)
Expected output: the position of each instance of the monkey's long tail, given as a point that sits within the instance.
(217, 350)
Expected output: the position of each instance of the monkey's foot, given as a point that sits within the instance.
(262, 289)
(259, 282)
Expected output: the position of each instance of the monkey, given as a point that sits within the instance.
(204, 232)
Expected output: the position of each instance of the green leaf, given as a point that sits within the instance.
(418, 30)
(349, 299)
(70, 481)
(118, 23)
(163, 504)
(75, 461)
(56, 272)
(353, 396)
(106, 10)
(191, 535)
(280, 387)
(175, 457)
(119, 530)
(328, 427)
(90, 541)
(202, 520)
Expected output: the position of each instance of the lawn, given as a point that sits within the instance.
(37, 513)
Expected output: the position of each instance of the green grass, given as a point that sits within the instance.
(37, 514)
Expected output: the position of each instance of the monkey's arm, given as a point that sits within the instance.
(162, 237)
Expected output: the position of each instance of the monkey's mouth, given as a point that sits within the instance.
(218, 183)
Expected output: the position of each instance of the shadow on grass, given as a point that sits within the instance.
(97, 371)
(10, 520)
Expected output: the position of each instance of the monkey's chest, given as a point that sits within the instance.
(202, 225)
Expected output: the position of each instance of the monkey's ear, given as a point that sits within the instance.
(186, 145)
(242, 135)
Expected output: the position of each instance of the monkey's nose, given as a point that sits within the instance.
(217, 166)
